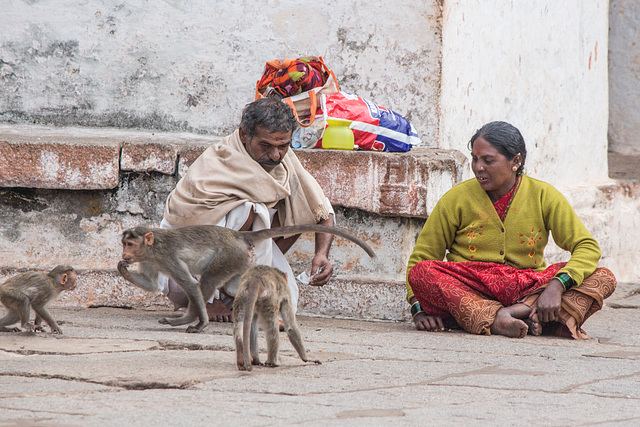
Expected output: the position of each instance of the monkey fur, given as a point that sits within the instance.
(215, 253)
(262, 295)
(35, 290)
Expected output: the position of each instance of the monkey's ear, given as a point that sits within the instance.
(148, 238)
(64, 278)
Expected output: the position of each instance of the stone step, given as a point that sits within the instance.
(341, 297)
(67, 194)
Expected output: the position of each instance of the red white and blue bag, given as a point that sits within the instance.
(374, 127)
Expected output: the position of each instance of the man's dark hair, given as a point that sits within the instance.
(270, 114)
(506, 138)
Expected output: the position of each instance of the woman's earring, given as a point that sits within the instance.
(515, 168)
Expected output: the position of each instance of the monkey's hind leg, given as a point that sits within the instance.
(10, 319)
(196, 308)
(12, 315)
(185, 318)
(245, 328)
(253, 342)
(19, 305)
(271, 327)
(293, 331)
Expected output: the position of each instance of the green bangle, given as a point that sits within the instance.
(566, 280)
(416, 309)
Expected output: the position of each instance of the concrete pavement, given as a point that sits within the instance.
(121, 367)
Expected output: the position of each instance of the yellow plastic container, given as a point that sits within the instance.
(337, 135)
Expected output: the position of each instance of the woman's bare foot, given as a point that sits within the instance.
(508, 324)
(535, 327)
(218, 311)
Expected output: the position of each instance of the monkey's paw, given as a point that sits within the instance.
(123, 268)
(56, 331)
(39, 328)
(194, 329)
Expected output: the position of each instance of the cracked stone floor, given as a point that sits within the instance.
(121, 367)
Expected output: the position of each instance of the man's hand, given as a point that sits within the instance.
(321, 268)
(320, 263)
(547, 307)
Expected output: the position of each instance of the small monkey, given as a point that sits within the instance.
(262, 295)
(36, 290)
(215, 253)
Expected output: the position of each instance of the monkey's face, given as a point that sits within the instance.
(70, 282)
(133, 250)
(267, 148)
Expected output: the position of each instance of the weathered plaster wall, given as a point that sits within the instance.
(64, 211)
(192, 65)
(541, 66)
(624, 77)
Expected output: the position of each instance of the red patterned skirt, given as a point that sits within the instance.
(473, 292)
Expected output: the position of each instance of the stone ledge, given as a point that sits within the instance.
(86, 158)
(390, 184)
(341, 297)
(57, 165)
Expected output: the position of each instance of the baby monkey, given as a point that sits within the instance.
(36, 290)
(263, 294)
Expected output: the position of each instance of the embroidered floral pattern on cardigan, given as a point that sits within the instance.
(471, 235)
(531, 241)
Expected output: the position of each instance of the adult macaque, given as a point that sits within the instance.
(263, 294)
(36, 290)
(215, 253)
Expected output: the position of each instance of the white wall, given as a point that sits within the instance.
(540, 65)
(192, 65)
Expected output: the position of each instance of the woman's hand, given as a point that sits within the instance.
(547, 307)
(425, 322)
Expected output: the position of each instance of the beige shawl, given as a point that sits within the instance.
(225, 176)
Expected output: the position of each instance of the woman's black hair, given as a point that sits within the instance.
(506, 138)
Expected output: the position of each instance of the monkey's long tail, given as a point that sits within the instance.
(258, 236)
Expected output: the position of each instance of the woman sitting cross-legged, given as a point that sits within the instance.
(493, 230)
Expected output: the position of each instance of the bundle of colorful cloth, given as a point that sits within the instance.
(292, 77)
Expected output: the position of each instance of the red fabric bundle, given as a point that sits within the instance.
(292, 76)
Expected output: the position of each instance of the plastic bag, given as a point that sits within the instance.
(374, 127)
